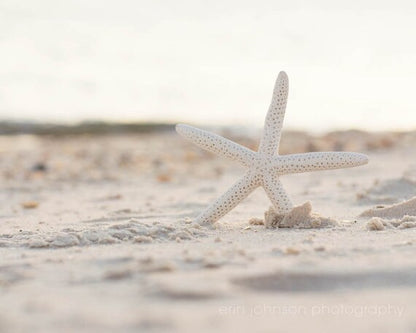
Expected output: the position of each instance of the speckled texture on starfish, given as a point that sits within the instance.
(266, 165)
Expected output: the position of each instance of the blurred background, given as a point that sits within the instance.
(351, 64)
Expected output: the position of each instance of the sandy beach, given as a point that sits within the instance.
(97, 235)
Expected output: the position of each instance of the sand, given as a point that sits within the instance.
(401, 215)
(299, 217)
(97, 234)
(398, 210)
(389, 191)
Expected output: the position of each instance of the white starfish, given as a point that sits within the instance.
(266, 165)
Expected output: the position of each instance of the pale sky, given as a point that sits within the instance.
(350, 63)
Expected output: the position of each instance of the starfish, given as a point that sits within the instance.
(264, 166)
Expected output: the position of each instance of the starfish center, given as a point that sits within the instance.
(262, 163)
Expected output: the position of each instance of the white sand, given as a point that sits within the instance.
(110, 244)
(389, 191)
(377, 223)
(398, 210)
(401, 215)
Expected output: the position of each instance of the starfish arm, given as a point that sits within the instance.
(269, 143)
(239, 191)
(276, 193)
(216, 144)
(297, 163)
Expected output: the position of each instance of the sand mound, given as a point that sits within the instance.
(396, 211)
(132, 231)
(400, 216)
(300, 217)
(389, 191)
(377, 223)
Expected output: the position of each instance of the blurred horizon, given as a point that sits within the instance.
(351, 64)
